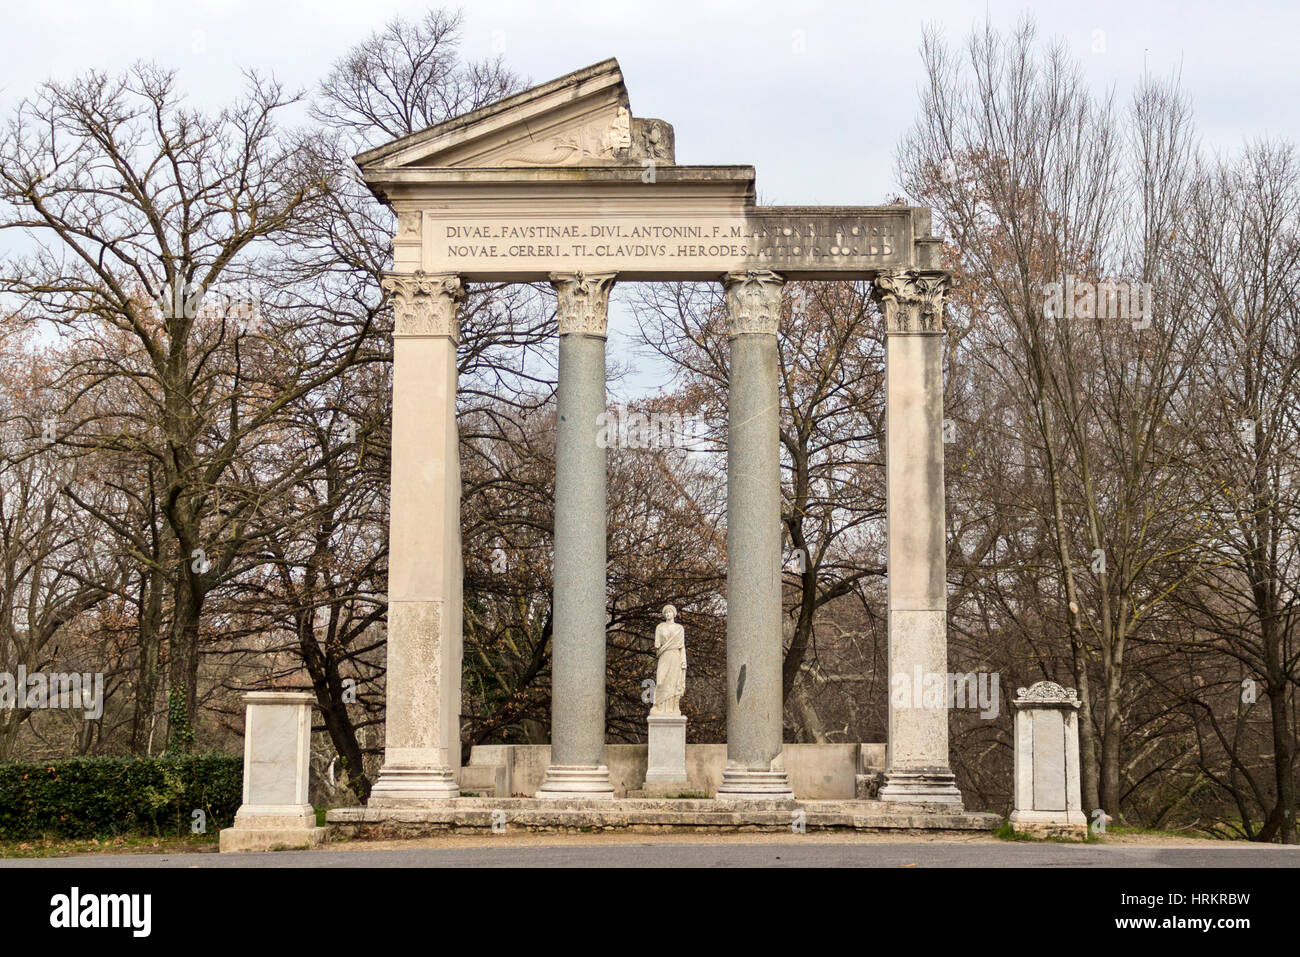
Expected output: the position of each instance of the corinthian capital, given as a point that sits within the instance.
(425, 304)
(583, 302)
(753, 302)
(911, 300)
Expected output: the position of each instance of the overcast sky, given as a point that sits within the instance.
(813, 94)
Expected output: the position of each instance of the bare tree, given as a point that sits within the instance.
(832, 416)
(1244, 238)
(406, 77)
(138, 209)
(1035, 181)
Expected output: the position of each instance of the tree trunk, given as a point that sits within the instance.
(148, 667)
(183, 673)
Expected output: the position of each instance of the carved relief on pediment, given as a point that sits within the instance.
(599, 142)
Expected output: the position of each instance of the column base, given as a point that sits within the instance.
(921, 786)
(397, 786)
(273, 816)
(233, 839)
(577, 781)
(748, 784)
(1069, 824)
(269, 827)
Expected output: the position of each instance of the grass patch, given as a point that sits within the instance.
(121, 844)
(1008, 833)
(1121, 830)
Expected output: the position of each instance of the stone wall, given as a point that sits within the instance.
(816, 771)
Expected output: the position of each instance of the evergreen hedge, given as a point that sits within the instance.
(107, 797)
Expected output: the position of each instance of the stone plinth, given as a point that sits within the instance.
(869, 776)
(277, 746)
(816, 771)
(666, 761)
(489, 771)
(1047, 800)
(489, 815)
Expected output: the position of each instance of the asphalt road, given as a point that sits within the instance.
(790, 854)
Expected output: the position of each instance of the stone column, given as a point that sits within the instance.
(916, 767)
(577, 768)
(754, 726)
(422, 734)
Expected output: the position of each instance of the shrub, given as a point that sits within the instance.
(107, 797)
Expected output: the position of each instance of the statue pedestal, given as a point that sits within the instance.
(666, 761)
(275, 812)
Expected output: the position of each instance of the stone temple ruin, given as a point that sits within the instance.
(563, 184)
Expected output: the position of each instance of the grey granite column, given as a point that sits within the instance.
(916, 766)
(754, 726)
(422, 732)
(577, 767)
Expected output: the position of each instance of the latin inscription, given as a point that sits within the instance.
(825, 238)
(595, 241)
(819, 243)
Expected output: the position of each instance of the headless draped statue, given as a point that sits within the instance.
(670, 675)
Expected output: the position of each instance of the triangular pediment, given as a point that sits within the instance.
(582, 119)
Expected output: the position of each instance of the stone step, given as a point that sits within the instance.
(470, 814)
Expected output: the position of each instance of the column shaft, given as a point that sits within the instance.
(422, 732)
(917, 760)
(754, 649)
(577, 766)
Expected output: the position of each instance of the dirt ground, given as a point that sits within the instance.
(535, 839)
(523, 838)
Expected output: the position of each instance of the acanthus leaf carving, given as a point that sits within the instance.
(1046, 691)
(912, 301)
(425, 304)
(582, 305)
(753, 302)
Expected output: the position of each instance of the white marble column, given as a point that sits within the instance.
(916, 767)
(754, 652)
(577, 768)
(422, 734)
